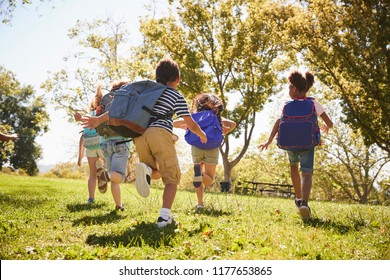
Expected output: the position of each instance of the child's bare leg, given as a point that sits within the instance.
(169, 195)
(92, 176)
(116, 178)
(199, 194)
(296, 180)
(307, 181)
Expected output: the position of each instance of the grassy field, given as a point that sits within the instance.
(45, 218)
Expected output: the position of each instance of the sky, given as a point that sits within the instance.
(36, 42)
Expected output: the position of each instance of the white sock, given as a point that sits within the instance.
(99, 164)
(165, 213)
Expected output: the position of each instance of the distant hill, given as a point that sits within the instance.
(43, 168)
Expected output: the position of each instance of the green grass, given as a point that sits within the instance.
(44, 218)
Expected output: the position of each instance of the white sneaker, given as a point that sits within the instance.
(142, 179)
(161, 222)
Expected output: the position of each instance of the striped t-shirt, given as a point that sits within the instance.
(171, 101)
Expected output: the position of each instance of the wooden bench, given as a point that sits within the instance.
(253, 187)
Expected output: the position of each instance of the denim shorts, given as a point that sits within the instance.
(305, 158)
(116, 155)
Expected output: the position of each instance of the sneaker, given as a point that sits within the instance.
(103, 178)
(298, 202)
(142, 179)
(197, 181)
(91, 200)
(161, 222)
(304, 210)
(120, 207)
(199, 207)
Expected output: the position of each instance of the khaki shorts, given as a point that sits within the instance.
(156, 148)
(94, 153)
(205, 156)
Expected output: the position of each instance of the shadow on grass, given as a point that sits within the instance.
(79, 207)
(143, 234)
(213, 212)
(111, 217)
(22, 200)
(327, 224)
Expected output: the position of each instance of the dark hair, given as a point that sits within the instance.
(309, 80)
(297, 80)
(167, 70)
(208, 101)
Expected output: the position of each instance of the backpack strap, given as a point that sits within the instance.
(123, 141)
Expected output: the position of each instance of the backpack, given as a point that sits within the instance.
(132, 108)
(91, 139)
(298, 128)
(210, 124)
(105, 104)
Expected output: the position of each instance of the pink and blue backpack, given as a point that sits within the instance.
(298, 128)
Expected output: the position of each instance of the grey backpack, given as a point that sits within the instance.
(132, 107)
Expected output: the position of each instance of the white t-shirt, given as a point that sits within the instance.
(317, 105)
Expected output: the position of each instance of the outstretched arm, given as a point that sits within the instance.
(93, 121)
(227, 126)
(179, 123)
(328, 122)
(194, 127)
(8, 137)
(81, 150)
(275, 129)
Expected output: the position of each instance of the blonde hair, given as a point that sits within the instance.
(96, 100)
(117, 84)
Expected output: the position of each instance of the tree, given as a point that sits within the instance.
(26, 114)
(7, 8)
(351, 165)
(227, 47)
(100, 57)
(347, 44)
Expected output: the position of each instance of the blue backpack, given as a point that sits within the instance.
(210, 124)
(132, 107)
(298, 128)
(105, 104)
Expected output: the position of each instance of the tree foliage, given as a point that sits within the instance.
(25, 113)
(7, 8)
(100, 56)
(347, 44)
(351, 166)
(227, 47)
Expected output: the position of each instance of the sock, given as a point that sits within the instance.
(99, 164)
(165, 213)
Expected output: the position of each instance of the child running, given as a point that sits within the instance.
(116, 150)
(205, 160)
(90, 141)
(299, 86)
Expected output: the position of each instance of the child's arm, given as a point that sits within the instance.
(8, 137)
(93, 122)
(81, 150)
(275, 129)
(195, 128)
(179, 123)
(227, 126)
(328, 122)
